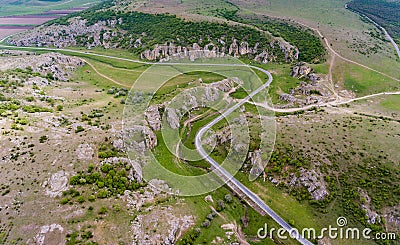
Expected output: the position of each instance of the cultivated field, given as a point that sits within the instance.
(12, 7)
(5, 31)
(27, 20)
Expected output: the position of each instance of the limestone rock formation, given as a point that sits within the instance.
(172, 118)
(139, 138)
(301, 70)
(61, 67)
(225, 85)
(153, 117)
(312, 181)
(60, 36)
(56, 184)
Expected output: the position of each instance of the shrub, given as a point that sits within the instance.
(80, 199)
(92, 198)
(64, 201)
(43, 139)
(103, 210)
(102, 194)
(79, 129)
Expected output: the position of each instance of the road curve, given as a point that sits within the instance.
(253, 197)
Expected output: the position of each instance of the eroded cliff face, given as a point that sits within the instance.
(108, 34)
(237, 49)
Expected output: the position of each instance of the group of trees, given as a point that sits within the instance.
(108, 179)
(385, 13)
(310, 47)
(165, 28)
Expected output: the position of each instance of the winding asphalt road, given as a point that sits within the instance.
(253, 197)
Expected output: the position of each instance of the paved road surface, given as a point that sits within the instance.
(253, 197)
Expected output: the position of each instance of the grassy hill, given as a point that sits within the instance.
(385, 13)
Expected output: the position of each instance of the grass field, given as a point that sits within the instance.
(124, 76)
(362, 81)
(343, 28)
(391, 103)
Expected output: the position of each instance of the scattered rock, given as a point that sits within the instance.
(314, 183)
(209, 199)
(85, 152)
(56, 184)
(40, 238)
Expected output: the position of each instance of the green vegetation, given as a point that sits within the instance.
(364, 82)
(174, 86)
(391, 102)
(310, 47)
(83, 236)
(106, 181)
(35, 109)
(158, 29)
(107, 150)
(386, 13)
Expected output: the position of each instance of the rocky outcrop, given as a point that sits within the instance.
(392, 217)
(301, 70)
(153, 117)
(226, 85)
(56, 184)
(256, 161)
(139, 138)
(76, 33)
(288, 98)
(49, 232)
(61, 67)
(311, 179)
(172, 118)
(312, 89)
(85, 152)
(190, 99)
(169, 226)
(109, 34)
(168, 51)
(373, 216)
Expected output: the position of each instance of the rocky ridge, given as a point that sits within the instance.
(74, 34)
(107, 34)
(167, 51)
(61, 67)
